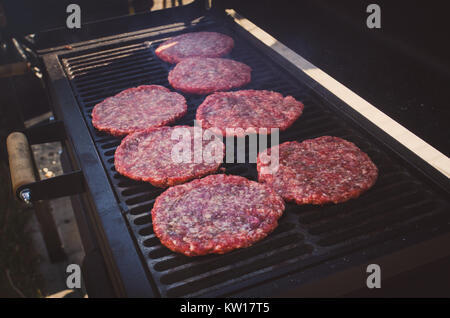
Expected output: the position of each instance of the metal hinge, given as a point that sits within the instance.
(60, 186)
(23, 177)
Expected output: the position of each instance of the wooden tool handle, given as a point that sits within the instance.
(20, 162)
(19, 68)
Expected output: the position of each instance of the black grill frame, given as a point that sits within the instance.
(133, 278)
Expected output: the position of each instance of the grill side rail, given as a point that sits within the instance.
(125, 269)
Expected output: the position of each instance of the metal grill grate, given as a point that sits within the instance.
(397, 205)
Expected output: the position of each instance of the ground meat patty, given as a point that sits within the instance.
(215, 214)
(248, 109)
(198, 75)
(138, 108)
(195, 44)
(147, 156)
(318, 171)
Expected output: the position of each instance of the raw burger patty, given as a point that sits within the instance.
(147, 156)
(196, 44)
(197, 75)
(215, 214)
(318, 171)
(248, 109)
(138, 108)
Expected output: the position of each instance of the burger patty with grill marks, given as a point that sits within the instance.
(197, 75)
(248, 109)
(138, 108)
(148, 156)
(195, 44)
(216, 214)
(317, 171)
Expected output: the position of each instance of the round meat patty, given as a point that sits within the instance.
(195, 44)
(248, 109)
(317, 171)
(215, 214)
(198, 75)
(138, 108)
(149, 156)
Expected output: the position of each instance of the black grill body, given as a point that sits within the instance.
(408, 205)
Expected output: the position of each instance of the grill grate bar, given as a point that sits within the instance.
(92, 83)
(115, 85)
(73, 60)
(366, 200)
(110, 60)
(284, 234)
(194, 273)
(407, 212)
(100, 59)
(105, 68)
(361, 215)
(106, 73)
(259, 265)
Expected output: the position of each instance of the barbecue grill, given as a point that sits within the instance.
(401, 223)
